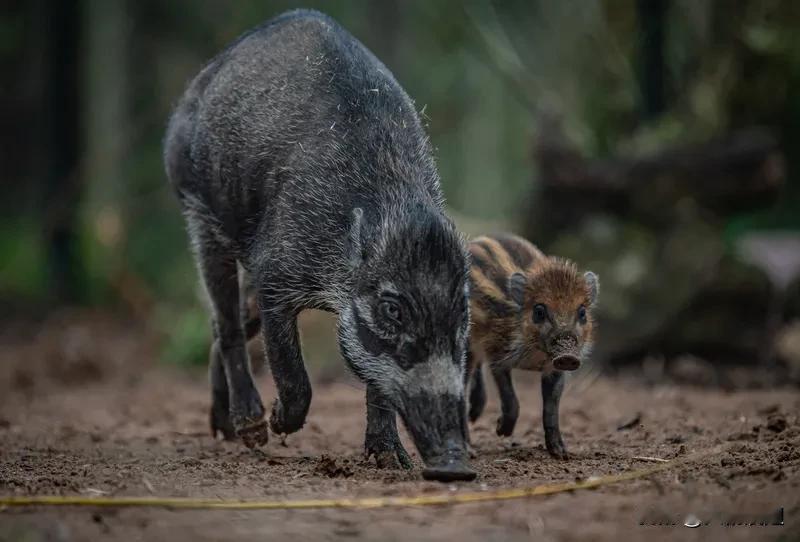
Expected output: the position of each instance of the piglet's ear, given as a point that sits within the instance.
(593, 284)
(516, 288)
(355, 253)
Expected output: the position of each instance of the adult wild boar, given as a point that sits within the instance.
(300, 162)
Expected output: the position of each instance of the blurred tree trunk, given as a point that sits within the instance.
(62, 147)
(106, 103)
(108, 137)
(652, 227)
(652, 15)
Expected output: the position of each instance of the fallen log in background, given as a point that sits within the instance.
(653, 228)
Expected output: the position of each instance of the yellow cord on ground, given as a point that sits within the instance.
(369, 502)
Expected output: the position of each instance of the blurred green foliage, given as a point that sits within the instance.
(23, 257)
(480, 73)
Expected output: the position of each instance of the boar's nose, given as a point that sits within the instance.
(448, 467)
(566, 362)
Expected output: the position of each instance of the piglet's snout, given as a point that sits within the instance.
(565, 353)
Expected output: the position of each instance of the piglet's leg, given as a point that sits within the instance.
(552, 387)
(509, 406)
(477, 389)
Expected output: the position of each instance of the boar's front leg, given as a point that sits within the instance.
(382, 439)
(282, 343)
(552, 386)
(236, 404)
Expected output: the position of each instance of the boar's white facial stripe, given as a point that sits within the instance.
(438, 376)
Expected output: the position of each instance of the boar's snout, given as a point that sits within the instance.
(449, 466)
(437, 424)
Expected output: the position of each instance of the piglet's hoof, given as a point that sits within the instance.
(254, 435)
(505, 426)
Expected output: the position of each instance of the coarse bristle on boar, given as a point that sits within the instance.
(307, 180)
(529, 311)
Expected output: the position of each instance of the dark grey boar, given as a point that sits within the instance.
(300, 162)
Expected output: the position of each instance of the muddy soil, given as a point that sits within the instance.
(84, 410)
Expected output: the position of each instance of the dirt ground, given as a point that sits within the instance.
(85, 411)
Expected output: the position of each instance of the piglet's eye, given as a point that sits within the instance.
(390, 310)
(539, 313)
(582, 314)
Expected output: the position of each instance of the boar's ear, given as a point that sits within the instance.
(593, 284)
(516, 288)
(355, 252)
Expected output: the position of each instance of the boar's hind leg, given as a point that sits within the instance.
(220, 414)
(509, 406)
(236, 404)
(249, 304)
(282, 344)
(552, 386)
(220, 419)
(382, 439)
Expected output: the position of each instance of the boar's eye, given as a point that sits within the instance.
(389, 310)
(582, 314)
(539, 313)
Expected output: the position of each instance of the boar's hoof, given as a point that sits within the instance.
(284, 421)
(221, 422)
(390, 455)
(255, 435)
(393, 460)
(557, 449)
(248, 420)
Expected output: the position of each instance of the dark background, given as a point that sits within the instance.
(654, 142)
